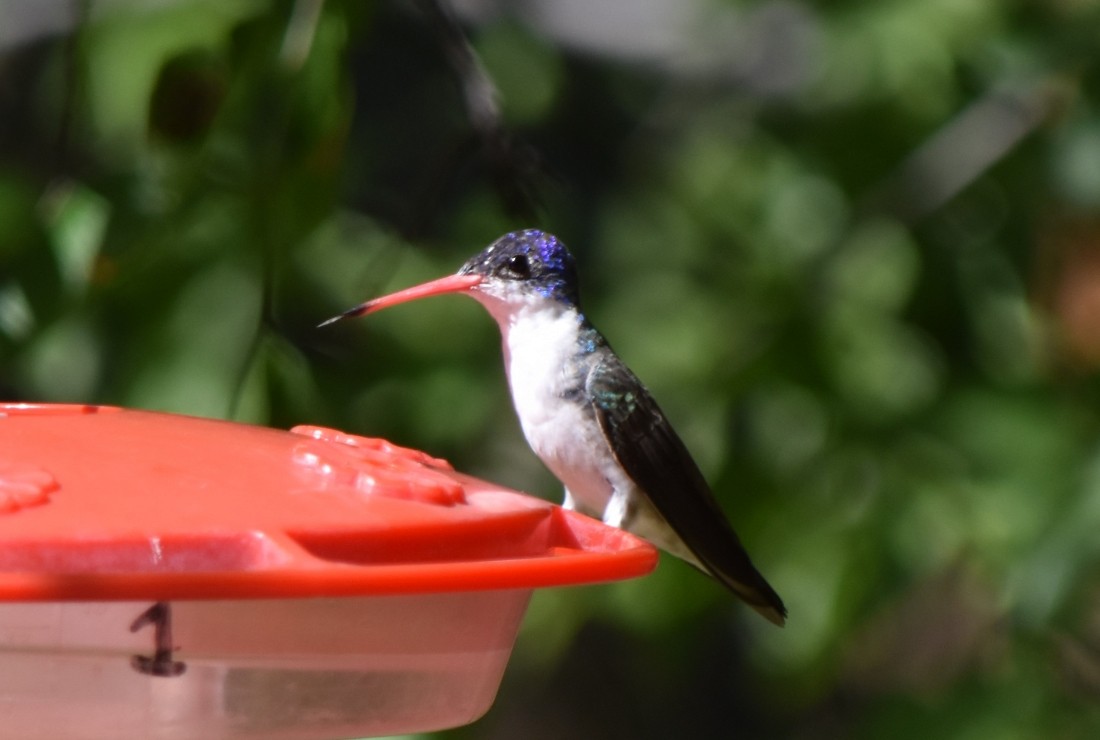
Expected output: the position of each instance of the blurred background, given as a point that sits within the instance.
(853, 248)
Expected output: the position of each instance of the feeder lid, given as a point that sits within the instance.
(104, 503)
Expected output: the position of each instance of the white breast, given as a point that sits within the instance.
(539, 338)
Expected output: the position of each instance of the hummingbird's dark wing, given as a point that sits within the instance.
(655, 458)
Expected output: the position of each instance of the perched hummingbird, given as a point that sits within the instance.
(588, 417)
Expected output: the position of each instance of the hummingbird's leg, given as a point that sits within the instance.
(637, 515)
(621, 510)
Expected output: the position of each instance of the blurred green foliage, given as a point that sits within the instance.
(854, 249)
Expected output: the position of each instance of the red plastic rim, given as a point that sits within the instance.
(141, 505)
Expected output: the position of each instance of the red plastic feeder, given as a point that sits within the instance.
(171, 577)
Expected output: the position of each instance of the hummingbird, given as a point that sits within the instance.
(588, 417)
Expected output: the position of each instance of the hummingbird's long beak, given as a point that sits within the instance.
(449, 284)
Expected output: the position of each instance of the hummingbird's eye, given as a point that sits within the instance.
(518, 265)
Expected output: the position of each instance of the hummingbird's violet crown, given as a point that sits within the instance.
(533, 257)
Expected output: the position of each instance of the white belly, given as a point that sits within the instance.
(570, 444)
(568, 440)
(562, 433)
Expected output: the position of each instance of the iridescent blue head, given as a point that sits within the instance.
(530, 261)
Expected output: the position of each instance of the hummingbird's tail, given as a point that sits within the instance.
(739, 575)
(759, 595)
